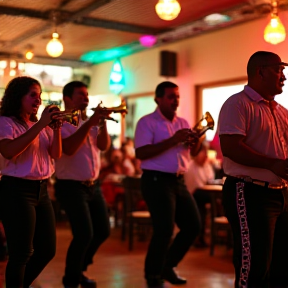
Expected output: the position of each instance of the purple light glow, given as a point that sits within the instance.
(148, 40)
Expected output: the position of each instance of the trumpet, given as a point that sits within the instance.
(70, 117)
(204, 124)
(122, 109)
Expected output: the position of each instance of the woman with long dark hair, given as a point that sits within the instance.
(28, 147)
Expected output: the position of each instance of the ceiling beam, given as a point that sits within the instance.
(7, 10)
(75, 18)
(108, 24)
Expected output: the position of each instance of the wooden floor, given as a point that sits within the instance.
(115, 267)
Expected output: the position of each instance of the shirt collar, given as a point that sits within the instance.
(158, 111)
(256, 97)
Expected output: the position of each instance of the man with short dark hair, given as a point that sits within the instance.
(76, 187)
(253, 135)
(162, 142)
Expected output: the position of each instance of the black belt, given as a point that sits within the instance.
(165, 174)
(264, 184)
(23, 180)
(87, 183)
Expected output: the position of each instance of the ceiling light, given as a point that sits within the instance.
(54, 47)
(147, 40)
(168, 9)
(29, 54)
(274, 32)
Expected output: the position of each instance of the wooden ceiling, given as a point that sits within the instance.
(92, 25)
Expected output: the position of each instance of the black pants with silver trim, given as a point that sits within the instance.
(259, 221)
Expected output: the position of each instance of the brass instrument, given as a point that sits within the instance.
(70, 117)
(122, 108)
(204, 124)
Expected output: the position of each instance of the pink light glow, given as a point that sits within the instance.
(148, 40)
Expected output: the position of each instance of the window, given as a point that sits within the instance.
(212, 98)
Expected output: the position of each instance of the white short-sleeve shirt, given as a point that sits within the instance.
(248, 113)
(154, 128)
(34, 162)
(85, 163)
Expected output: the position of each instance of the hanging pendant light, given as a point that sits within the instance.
(274, 32)
(168, 9)
(54, 47)
(29, 53)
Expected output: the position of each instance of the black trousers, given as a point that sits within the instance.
(169, 202)
(259, 221)
(87, 212)
(29, 224)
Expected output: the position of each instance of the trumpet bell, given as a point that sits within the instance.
(122, 108)
(204, 124)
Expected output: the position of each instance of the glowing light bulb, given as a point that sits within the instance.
(168, 9)
(274, 32)
(54, 47)
(29, 55)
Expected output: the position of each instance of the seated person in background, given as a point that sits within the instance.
(128, 159)
(200, 171)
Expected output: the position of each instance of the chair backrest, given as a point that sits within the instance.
(133, 196)
(216, 205)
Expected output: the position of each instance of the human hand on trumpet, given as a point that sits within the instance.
(55, 118)
(197, 133)
(103, 113)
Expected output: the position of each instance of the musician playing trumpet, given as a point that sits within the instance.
(76, 186)
(162, 141)
(28, 147)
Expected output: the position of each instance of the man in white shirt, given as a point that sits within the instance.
(76, 185)
(161, 142)
(253, 136)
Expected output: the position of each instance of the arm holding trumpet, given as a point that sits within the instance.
(11, 148)
(73, 142)
(185, 136)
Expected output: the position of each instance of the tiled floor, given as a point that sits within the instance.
(115, 267)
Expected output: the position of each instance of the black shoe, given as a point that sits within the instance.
(170, 275)
(87, 283)
(154, 282)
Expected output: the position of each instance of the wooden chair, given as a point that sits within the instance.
(135, 213)
(220, 228)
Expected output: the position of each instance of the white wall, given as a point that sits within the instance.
(217, 56)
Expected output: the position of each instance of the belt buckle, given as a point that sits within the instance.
(260, 183)
(277, 186)
(88, 183)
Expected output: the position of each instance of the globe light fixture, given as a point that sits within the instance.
(54, 47)
(274, 32)
(168, 9)
(29, 54)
